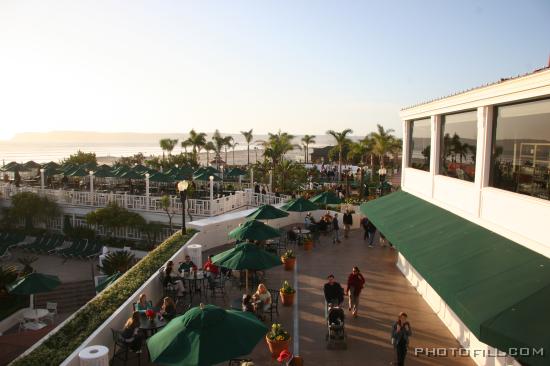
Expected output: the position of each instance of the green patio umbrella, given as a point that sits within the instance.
(235, 172)
(107, 281)
(51, 164)
(14, 167)
(206, 335)
(326, 198)
(267, 212)
(254, 230)
(300, 204)
(161, 178)
(51, 171)
(104, 173)
(246, 256)
(206, 169)
(130, 174)
(204, 176)
(31, 165)
(78, 172)
(34, 283)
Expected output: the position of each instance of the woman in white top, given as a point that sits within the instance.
(263, 295)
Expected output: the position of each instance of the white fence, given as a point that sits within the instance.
(198, 207)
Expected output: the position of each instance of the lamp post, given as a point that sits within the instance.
(270, 180)
(147, 175)
(42, 178)
(91, 181)
(211, 178)
(182, 188)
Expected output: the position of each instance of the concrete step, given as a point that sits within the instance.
(69, 296)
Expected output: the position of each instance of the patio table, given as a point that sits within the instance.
(150, 325)
(35, 314)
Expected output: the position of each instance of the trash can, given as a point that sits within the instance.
(195, 252)
(94, 356)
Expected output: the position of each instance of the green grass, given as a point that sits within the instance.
(11, 304)
(61, 344)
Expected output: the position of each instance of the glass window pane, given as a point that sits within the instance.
(521, 149)
(419, 144)
(458, 145)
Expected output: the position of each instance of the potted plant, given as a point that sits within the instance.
(289, 260)
(308, 243)
(277, 339)
(287, 294)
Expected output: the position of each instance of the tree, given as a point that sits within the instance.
(167, 207)
(119, 261)
(168, 145)
(248, 138)
(113, 217)
(308, 140)
(233, 146)
(358, 152)
(81, 158)
(341, 140)
(197, 140)
(138, 158)
(218, 142)
(277, 145)
(152, 231)
(31, 207)
(227, 141)
(209, 146)
(383, 142)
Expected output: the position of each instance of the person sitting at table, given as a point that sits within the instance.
(171, 277)
(210, 268)
(247, 304)
(327, 217)
(143, 305)
(131, 333)
(187, 265)
(168, 309)
(262, 298)
(292, 236)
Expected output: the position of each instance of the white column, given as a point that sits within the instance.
(42, 178)
(270, 180)
(241, 182)
(147, 190)
(405, 151)
(483, 152)
(91, 181)
(434, 142)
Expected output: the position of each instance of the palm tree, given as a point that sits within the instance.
(219, 142)
(383, 142)
(233, 146)
(285, 170)
(308, 140)
(197, 140)
(184, 145)
(168, 145)
(341, 140)
(227, 141)
(277, 145)
(248, 138)
(209, 146)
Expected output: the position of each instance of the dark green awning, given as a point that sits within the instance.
(497, 287)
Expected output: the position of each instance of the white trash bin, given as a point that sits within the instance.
(94, 356)
(195, 252)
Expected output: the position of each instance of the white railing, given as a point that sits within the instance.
(197, 207)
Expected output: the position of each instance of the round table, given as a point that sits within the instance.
(301, 231)
(194, 283)
(150, 325)
(35, 314)
(94, 356)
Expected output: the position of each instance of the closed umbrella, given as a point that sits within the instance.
(206, 335)
(204, 176)
(246, 256)
(34, 283)
(107, 281)
(267, 212)
(254, 230)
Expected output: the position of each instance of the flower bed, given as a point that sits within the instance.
(61, 344)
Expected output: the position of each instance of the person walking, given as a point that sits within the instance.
(371, 232)
(356, 282)
(334, 293)
(365, 226)
(401, 331)
(335, 230)
(348, 221)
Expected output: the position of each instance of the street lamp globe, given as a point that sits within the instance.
(183, 185)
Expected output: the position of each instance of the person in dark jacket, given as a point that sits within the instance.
(371, 229)
(168, 309)
(348, 221)
(131, 333)
(356, 282)
(401, 331)
(334, 293)
(365, 226)
(335, 230)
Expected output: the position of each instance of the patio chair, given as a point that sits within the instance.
(216, 286)
(52, 311)
(22, 325)
(274, 307)
(168, 288)
(124, 349)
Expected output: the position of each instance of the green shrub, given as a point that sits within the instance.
(61, 344)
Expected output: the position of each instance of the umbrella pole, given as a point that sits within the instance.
(31, 301)
(246, 280)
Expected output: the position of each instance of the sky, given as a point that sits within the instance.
(298, 66)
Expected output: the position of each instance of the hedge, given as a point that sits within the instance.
(67, 339)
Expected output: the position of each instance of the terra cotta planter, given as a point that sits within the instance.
(287, 299)
(308, 245)
(289, 263)
(275, 347)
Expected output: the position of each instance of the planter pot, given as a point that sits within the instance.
(289, 263)
(308, 245)
(275, 347)
(287, 299)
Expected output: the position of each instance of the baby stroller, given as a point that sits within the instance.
(336, 333)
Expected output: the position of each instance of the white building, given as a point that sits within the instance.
(480, 162)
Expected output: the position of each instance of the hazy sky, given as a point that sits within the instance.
(301, 66)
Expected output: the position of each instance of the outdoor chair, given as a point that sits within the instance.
(274, 308)
(169, 289)
(52, 311)
(124, 350)
(22, 325)
(216, 287)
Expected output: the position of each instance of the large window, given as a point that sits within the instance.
(458, 145)
(521, 148)
(419, 144)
